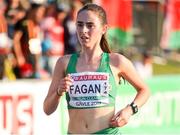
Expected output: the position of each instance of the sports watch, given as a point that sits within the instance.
(134, 108)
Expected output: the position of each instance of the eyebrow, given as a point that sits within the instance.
(80, 22)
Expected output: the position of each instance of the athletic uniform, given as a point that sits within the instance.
(92, 89)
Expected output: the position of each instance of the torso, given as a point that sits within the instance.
(89, 120)
(93, 119)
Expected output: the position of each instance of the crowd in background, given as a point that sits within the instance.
(34, 35)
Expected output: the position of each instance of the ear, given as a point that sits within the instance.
(105, 28)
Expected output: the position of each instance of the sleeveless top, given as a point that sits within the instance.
(91, 89)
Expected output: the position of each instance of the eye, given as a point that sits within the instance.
(90, 26)
(79, 25)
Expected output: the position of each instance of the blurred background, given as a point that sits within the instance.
(35, 33)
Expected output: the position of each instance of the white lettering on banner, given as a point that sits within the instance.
(89, 89)
(16, 114)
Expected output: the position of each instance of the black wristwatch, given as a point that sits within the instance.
(134, 107)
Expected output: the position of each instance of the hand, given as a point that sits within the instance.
(122, 117)
(64, 85)
(21, 60)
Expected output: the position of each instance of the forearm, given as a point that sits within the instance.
(37, 64)
(51, 102)
(17, 50)
(141, 97)
(17, 44)
(121, 118)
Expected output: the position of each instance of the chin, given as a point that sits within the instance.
(86, 45)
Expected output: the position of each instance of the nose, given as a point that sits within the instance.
(84, 29)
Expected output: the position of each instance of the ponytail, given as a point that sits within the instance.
(104, 44)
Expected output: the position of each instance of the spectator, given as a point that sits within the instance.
(14, 12)
(27, 42)
(5, 46)
(70, 38)
(53, 44)
(144, 67)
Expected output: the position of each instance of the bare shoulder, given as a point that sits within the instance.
(64, 59)
(119, 60)
(62, 63)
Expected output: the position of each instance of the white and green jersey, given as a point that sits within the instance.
(91, 89)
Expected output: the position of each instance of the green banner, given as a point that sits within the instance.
(119, 39)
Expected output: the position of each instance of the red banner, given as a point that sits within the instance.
(174, 9)
(119, 12)
(171, 28)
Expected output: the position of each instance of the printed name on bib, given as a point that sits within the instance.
(89, 89)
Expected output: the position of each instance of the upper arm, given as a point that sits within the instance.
(127, 70)
(16, 43)
(17, 37)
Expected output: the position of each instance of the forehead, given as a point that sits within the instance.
(88, 16)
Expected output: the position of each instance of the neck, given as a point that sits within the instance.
(89, 55)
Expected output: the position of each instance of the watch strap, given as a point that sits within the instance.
(134, 107)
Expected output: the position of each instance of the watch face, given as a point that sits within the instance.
(134, 108)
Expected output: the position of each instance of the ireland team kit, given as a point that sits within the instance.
(92, 89)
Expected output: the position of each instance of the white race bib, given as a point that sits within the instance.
(89, 89)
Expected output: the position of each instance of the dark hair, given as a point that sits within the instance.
(102, 15)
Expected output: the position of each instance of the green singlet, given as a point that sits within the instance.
(91, 89)
(109, 131)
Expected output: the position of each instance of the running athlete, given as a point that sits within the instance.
(89, 79)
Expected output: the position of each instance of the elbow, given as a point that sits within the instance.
(46, 110)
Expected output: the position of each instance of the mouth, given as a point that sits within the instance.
(84, 38)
